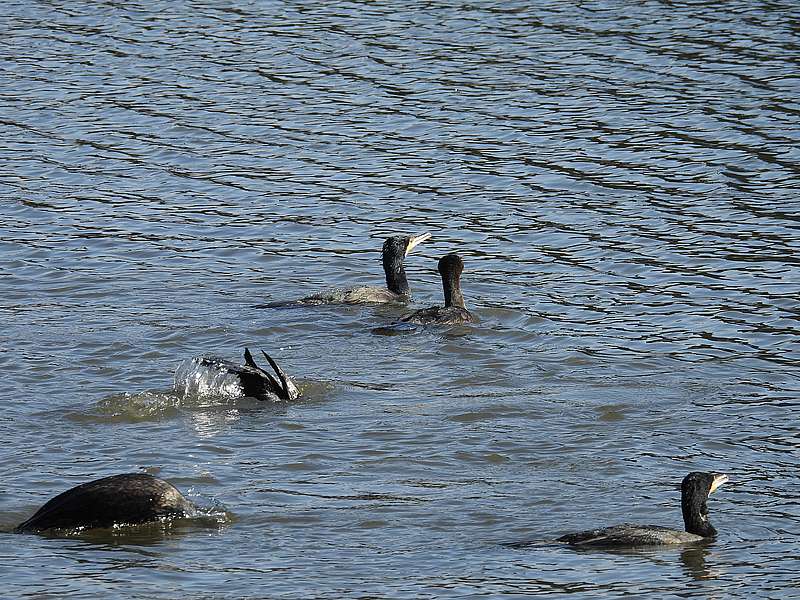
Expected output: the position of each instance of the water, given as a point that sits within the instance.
(621, 180)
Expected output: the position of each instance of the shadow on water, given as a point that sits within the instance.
(157, 405)
(130, 408)
(163, 406)
(148, 534)
(693, 557)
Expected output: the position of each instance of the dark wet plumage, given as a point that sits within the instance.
(453, 312)
(395, 249)
(127, 499)
(695, 490)
(255, 381)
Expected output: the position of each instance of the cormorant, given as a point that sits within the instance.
(126, 499)
(695, 489)
(394, 251)
(453, 312)
(211, 376)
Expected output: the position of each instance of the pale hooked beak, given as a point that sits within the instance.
(719, 479)
(416, 240)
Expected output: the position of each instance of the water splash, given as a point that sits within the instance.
(196, 380)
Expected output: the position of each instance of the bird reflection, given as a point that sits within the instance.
(694, 562)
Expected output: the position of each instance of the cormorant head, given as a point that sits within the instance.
(451, 265)
(395, 249)
(695, 490)
(399, 246)
(450, 268)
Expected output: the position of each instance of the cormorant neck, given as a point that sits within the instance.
(695, 514)
(396, 279)
(452, 290)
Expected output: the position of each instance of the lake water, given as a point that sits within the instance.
(621, 179)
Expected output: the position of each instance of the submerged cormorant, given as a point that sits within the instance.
(395, 249)
(126, 499)
(453, 312)
(211, 376)
(695, 489)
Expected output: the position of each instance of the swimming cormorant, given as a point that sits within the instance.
(212, 376)
(395, 249)
(126, 499)
(453, 312)
(695, 489)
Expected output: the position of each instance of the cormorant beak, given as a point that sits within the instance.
(416, 240)
(719, 479)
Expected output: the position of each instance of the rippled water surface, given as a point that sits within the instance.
(621, 179)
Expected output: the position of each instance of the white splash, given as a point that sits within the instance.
(194, 379)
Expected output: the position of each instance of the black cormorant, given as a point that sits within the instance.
(126, 499)
(453, 312)
(211, 376)
(395, 250)
(695, 489)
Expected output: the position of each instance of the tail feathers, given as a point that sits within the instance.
(289, 388)
(250, 362)
(248, 359)
(282, 385)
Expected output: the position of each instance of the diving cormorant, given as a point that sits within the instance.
(211, 376)
(695, 489)
(127, 499)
